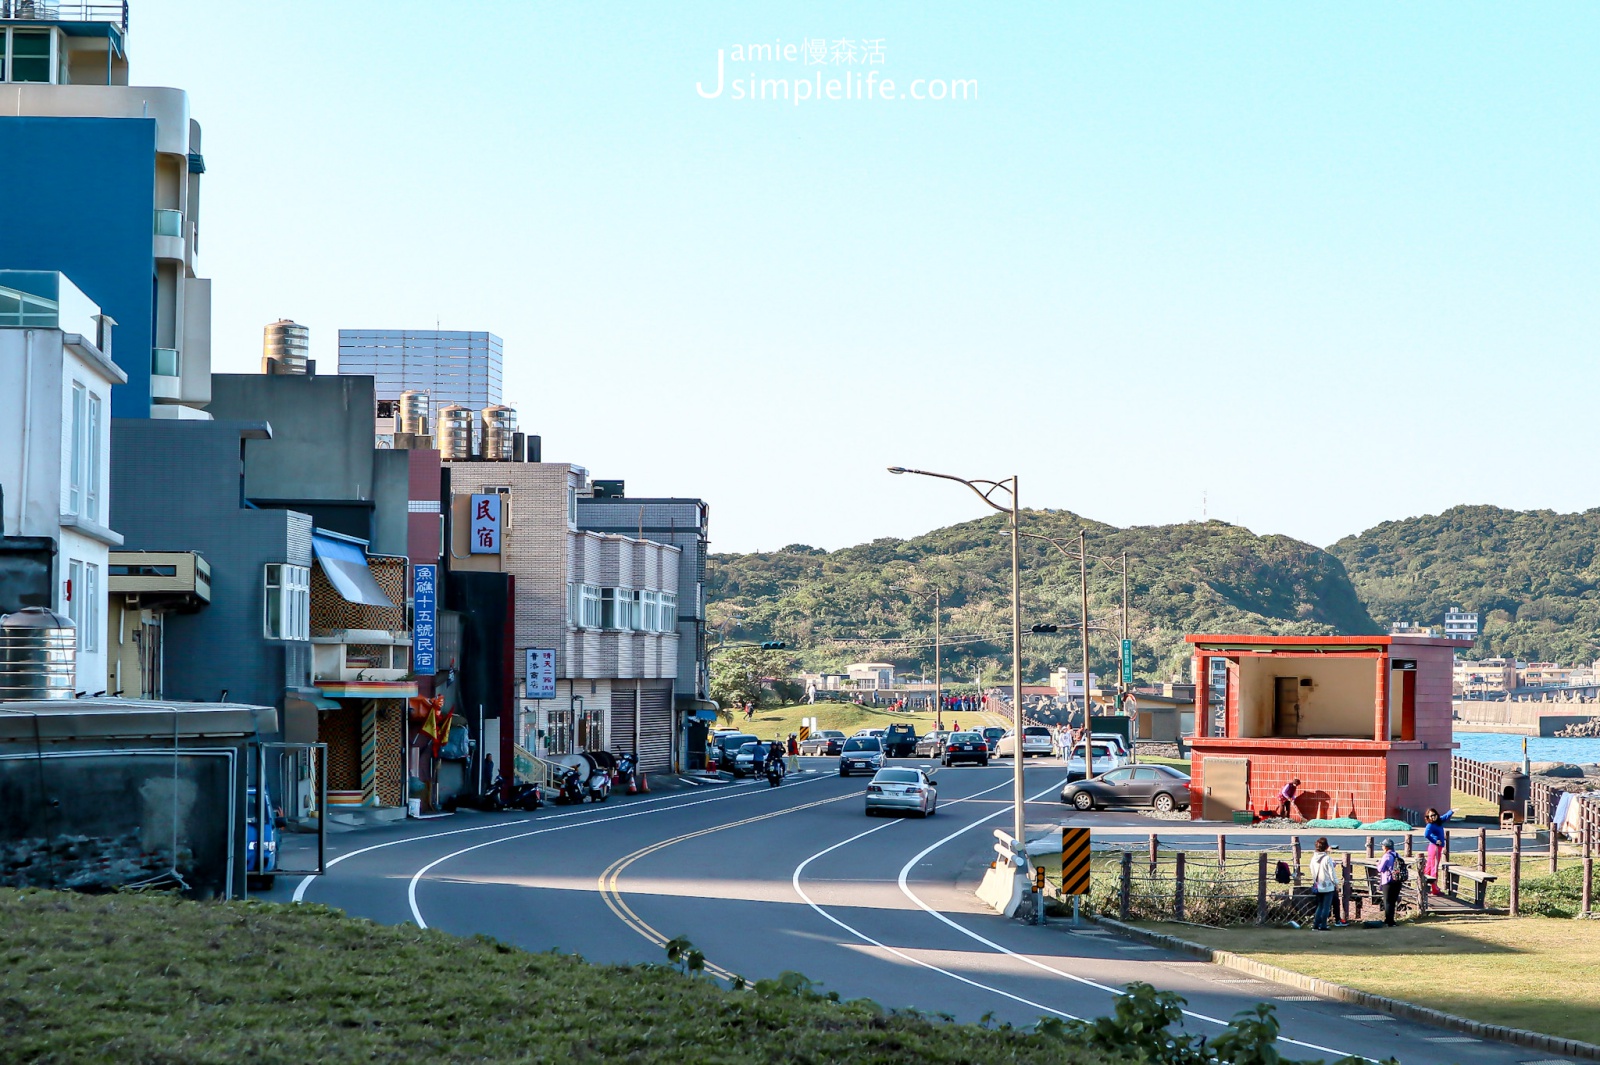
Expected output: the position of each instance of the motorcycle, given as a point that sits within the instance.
(775, 771)
(627, 770)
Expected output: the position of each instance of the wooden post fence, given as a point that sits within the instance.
(1349, 885)
(1555, 847)
(1261, 888)
(1222, 849)
(1408, 844)
(1588, 870)
(1153, 845)
(1483, 850)
(1372, 847)
(1296, 849)
(1177, 888)
(1125, 904)
(1516, 870)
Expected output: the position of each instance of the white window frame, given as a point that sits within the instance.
(650, 609)
(76, 466)
(75, 599)
(572, 507)
(89, 635)
(8, 55)
(588, 606)
(288, 586)
(669, 612)
(91, 479)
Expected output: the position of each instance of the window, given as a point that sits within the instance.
(91, 449)
(89, 633)
(74, 597)
(1403, 778)
(572, 506)
(29, 55)
(1433, 772)
(667, 616)
(619, 608)
(649, 610)
(287, 607)
(75, 457)
(588, 616)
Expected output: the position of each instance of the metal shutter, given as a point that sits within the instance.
(655, 729)
(623, 715)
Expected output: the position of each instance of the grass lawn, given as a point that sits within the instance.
(1537, 973)
(1471, 806)
(125, 978)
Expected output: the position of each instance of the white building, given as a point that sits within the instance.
(1070, 684)
(1461, 624)
(875, 676)
(56, 375)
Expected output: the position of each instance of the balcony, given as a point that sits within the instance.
(351, 655)
(66, 11)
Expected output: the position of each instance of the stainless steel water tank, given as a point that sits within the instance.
(413, 413)
(455, 433)
(38, 655)
(499, 425)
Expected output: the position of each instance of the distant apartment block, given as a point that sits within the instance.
(1461, 624)
(1484, 677)
(451, 366)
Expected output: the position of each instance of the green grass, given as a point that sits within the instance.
(124, 978)
(1536, 973)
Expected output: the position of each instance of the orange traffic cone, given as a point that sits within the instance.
(633, 788)
(644, 782)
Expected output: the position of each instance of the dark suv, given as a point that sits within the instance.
(991, 736)
(900, 741)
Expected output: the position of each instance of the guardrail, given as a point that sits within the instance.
(65, 11)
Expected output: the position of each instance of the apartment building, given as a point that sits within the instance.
(1492, 677)
(1461, 624)
(104, 179)
(594, 615)
(55, 454)
(449, 365)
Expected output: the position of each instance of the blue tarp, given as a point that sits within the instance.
(345, 564)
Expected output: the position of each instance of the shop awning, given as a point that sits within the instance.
(346, 566)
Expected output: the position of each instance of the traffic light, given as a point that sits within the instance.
(773, 645)
(1042, 630)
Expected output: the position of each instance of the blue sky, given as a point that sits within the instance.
(1318, 265)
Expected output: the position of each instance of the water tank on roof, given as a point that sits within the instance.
(413, 413)
(499, 426)
(285, 347)
(455, 433)
(38, 655)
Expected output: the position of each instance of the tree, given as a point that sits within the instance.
(742, 674)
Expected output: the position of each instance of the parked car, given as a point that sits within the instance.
(1036, 739)
(261, 849)
(965, 747)
(902, 791)
(725, 745)
(1104, 756)
(931, 744)
(900, 741)
(750, 758)
(863, 753)
(1160, 787)
(828, 742)
(874, 732)
(991, 736)
(1114, 739)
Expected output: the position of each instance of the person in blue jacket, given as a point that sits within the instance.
(1433, 832)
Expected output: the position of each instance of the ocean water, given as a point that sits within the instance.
(1504, 747)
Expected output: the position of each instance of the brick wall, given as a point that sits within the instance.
(1337, 778)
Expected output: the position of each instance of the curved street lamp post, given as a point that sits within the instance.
(985, 491)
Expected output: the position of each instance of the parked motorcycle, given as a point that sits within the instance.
(627, 772)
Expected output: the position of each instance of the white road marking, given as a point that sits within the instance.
(1452, 1039)
(1367, 1017)
(992, 945)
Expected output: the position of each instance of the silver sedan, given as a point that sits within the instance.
(903, 791)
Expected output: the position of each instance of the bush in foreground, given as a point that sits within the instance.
(129, 978)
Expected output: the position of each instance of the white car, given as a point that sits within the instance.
(1112, 738)
(1105, 760)
(1036, 739)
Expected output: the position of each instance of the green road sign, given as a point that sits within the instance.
(1127, 661)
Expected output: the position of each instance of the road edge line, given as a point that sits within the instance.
(1339, 992)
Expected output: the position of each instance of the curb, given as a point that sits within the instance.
(1410, 1011)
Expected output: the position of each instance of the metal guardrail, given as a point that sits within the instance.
(65, 11)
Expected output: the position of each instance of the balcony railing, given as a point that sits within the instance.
(168, 223)
(66, 11)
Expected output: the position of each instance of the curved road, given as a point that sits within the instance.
(764, 880)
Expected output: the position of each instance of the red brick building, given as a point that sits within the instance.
(1363, 721)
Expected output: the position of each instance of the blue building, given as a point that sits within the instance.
(103, 181)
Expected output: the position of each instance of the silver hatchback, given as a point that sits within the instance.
(902, 791)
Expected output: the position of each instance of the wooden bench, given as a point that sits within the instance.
(1454, 874)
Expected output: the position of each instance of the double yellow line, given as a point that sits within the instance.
(612, 894)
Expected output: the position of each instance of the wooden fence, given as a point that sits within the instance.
(1482, 780)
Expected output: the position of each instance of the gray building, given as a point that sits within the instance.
(452, 366)
(178, 486)
(683, 523)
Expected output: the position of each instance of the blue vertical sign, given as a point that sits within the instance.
(1127, 661)
(424, 603)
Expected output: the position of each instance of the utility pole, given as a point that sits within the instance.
(938, 691)
(1083, 586)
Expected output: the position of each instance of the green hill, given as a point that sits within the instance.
(1533, 575)
(852, 604)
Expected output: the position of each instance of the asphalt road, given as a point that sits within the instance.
(764, 880)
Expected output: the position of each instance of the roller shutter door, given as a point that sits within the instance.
(623, 714)
(655, 729)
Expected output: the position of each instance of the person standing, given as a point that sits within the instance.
(794, 752)
(1389, 880)
(1433, 832)
(1324, 882)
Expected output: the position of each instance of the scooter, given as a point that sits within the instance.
(776, 771)
(627, 770)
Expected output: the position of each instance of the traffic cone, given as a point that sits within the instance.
(644, 782)
(633, 788)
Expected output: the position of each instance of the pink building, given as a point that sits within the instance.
(1362, 721)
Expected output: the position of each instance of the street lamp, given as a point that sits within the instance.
(985, 490)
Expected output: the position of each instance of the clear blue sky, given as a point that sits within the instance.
(1324, 265)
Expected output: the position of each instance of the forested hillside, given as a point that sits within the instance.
(860, 603)
(1532, 574)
